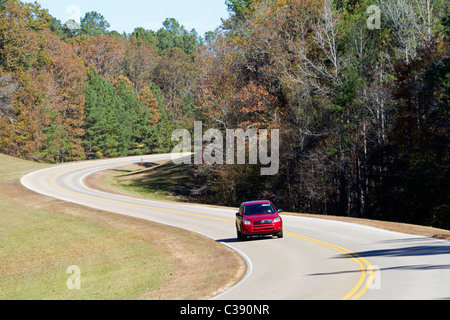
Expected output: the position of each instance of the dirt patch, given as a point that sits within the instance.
(199, 269)
(212, 266)
(41, 236)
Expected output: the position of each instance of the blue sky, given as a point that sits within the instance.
(125, 16)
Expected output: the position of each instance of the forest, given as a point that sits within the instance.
(358, 89)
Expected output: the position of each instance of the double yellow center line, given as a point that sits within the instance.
(366, 267)
(367, 270)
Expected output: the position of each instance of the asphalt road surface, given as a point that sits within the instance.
(316, 260)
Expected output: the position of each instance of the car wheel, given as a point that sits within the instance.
(280, 235)
(241, 236)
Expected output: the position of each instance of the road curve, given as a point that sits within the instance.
(316, 260)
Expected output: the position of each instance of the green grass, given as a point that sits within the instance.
(39, 242)
(167, 181)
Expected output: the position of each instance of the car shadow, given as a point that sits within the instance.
(256, 238)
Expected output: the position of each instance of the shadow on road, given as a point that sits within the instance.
(428, 247)
(234, 240)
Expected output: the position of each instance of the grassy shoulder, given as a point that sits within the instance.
(166, 181)
(119, 257)
(156, 181)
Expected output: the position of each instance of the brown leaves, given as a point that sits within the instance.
(141, 59)
(43, 87)
(147, 96)
(225, 94)
(105, 53)
(175, 75)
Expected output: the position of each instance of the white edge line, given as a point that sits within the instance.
(239, 252)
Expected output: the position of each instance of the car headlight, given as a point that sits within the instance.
(276, 220)
(247, 223)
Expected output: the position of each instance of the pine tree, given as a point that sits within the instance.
(139, 115)
(108, 124)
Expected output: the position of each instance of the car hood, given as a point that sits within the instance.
(264, 216)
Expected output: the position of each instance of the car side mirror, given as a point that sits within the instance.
(280, 210)
(238, 214)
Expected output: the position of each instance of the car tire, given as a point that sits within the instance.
(280, 235)
(241, 236)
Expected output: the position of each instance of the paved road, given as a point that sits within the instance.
(317, 259)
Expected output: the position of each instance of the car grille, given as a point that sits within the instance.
(257, 223)
(263, 226)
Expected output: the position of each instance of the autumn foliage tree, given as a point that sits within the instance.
(362, 133)
(73, 93)
(362, 111)
(43, 113)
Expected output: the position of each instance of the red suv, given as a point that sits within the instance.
(258, 218)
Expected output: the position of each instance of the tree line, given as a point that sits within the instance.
(71, 92)
(362, 112)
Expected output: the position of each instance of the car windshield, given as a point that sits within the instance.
(259, 208)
